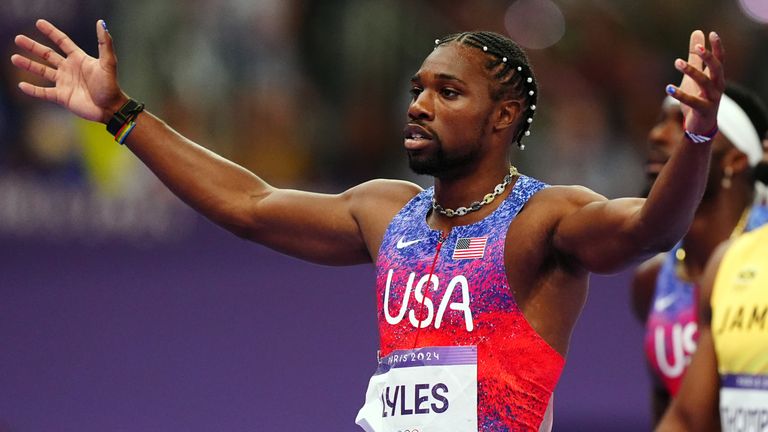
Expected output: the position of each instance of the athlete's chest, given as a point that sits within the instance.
(433, 280)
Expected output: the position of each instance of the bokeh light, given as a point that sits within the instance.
(535, 24)
(755, 9)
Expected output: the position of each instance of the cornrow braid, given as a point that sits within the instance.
(509, 66)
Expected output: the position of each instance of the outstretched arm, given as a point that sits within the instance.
(330, 229)
(606, 235)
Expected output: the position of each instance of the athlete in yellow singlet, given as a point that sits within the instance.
(726, 386)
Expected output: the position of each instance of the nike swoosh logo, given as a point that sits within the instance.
(402, 243)
(665, 302)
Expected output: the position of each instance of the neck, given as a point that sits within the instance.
(452, 192)
(714, 223)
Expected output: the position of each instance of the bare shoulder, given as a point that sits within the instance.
(373, 204)
(539, 219)
(381, 194)
(559, 201)
(644, 286)
(574, 196)
(597, 234)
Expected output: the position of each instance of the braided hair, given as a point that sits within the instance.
(509, 66)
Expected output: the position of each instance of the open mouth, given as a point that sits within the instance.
(416, 137)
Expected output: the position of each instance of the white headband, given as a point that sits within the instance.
(736, 126)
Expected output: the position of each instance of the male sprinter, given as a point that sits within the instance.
(480, 278)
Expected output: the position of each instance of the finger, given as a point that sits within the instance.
(696, 102)
(36, 68)
(697, 38)
(107, 57)
(714, 68)
(708, 86)
(717, 58)
(717, 46)
(40, 50)
(46, 93)
(57, 36)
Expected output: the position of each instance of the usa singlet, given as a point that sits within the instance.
(671, 332)
(456, 354)
(740, 333)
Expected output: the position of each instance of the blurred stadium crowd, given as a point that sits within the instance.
(312, 94)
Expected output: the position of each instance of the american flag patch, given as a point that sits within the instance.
(470, 248)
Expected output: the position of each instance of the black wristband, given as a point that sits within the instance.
(125, 114)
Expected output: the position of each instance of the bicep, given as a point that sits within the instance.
(325, 228)
(311, 226)
(601, 234)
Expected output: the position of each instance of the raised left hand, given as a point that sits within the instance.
(703, 83)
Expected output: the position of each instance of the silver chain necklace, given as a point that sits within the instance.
(477, 205)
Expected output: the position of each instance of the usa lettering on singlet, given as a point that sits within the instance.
(740, 333)
(456, 351)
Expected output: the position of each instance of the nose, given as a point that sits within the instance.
(421, 107)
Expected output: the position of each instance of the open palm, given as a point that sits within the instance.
(84, 85)
(703, 83)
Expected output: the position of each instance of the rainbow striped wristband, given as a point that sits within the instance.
(124, 120)
(122, 134)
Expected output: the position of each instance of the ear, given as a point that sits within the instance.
(507, 114)
(735, 159)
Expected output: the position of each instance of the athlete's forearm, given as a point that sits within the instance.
(668, 211)
(676, 194)
(221, 190)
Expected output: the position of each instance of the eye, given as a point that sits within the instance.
(415, 92)
(449, 93)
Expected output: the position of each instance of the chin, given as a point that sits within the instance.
(438, 164)
(425, 163)
(423, 167)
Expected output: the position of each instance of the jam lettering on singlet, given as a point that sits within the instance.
(683, 346)
(418, 294)
(743, 318)
(401, 400)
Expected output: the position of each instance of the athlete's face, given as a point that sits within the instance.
(448, 118)
(665, 136)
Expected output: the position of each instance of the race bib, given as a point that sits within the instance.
(744, 403)
(431, 389)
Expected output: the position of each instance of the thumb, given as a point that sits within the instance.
(107, 57)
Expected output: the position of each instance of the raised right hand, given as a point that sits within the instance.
(84, 85)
